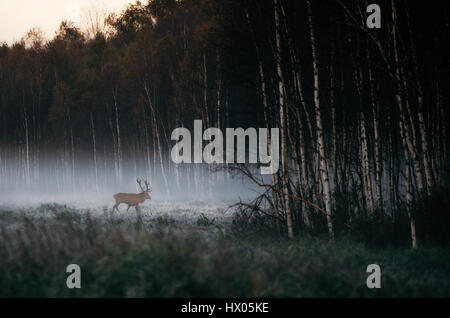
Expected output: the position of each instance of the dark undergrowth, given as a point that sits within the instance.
(117, 260)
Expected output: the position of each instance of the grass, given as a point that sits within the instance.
(203, 220)
(117, 260)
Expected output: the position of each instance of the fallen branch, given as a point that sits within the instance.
(261, 184)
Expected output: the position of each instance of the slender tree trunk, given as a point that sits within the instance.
(422, 127)
(206, 110)
(284, 154)
(205, 91)
(296, 158)
(398, 97)
(409, 199)
(147, 144)
(119, 143)
(301, 165)
(94, 144)
(377, 137)
(366, 164)
(114, 139)
(158, 142)
(392, 188)
(72, 148)
(302, 146)
(304, 169)
(334, 141)
(218, 90)
(262, 82)
(27, 146)
(364, 145)
(320, 140)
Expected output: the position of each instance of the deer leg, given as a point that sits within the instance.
(139, 217)
(138, 212)
(115, 207)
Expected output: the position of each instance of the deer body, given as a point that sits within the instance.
(132, 199)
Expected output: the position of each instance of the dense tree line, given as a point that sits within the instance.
(362, 112)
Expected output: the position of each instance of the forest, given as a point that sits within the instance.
(362, 115)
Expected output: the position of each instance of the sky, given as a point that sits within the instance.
(19, 16)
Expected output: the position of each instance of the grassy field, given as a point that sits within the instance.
(169, 258)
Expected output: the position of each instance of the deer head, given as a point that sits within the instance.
(147, 189)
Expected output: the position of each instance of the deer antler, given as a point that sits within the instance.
(140, 185)
(147, 188)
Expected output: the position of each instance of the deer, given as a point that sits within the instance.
(133, 199)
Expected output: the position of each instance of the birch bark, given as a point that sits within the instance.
(319, 128)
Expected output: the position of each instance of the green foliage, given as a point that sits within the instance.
(379, 229)
(118, 261)
(249, 220)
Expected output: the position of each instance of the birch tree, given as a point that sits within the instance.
(319, 127)
(281, 92)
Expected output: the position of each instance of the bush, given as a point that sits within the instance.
(203, 220)
(250, 220)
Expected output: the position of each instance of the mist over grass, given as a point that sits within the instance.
(203, 254)
(84, 195)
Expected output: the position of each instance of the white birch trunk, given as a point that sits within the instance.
(283, 123)
(409, 199)
(320, 140)
(398, 97)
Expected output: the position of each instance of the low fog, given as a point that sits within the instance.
(83, 186)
